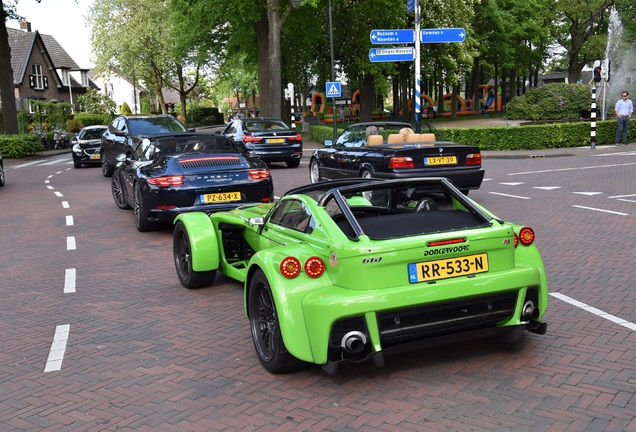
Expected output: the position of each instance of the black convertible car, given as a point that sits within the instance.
(172, 174)
(390, 150)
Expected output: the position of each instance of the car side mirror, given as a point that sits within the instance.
(256, 221)
(328, 143)
(121, 157)
(118, 132)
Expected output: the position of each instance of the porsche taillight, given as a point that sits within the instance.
(314, 267)
(401, 162)
(473, 159)
(167, 181)
(525, 237)
(290, 267)
(259, 174)
(251, 139)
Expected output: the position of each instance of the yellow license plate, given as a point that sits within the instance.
(447, 268)
(221, 197)
(276, 140)
(441, 160)
(95, 156)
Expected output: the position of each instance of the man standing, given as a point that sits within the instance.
(624, 109)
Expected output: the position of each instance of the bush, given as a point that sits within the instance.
(125, 109)
(556, 101)
(74, 125)
(17, 146)
(87, 119)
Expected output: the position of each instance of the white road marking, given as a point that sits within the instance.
(58, 348)
(512, 183)
(69, 280)
(510, 196)
(623, 196)
(70, 243)
(69, 220)
(26, 164)
(572, 169)
(50, 187)
(595, 311)
(588, 193)
(47, 181)
(601, 210)
(65, 204)
(58, 194)
(548, 188)
(626, 200)
(53, 162)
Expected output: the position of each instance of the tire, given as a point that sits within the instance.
(119, 192)
(292, 163)
(107, 170)
(77, 165)
(182, 253)
(1, 176)
(141, 214)
(265, 328)
(314, 172)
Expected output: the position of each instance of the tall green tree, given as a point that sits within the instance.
(7, 96)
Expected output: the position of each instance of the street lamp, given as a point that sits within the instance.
(333, 78)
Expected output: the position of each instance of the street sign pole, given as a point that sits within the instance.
(418, 127)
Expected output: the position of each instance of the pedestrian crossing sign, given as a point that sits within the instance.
(333, 89)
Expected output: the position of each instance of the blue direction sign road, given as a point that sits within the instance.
(392, 36)
(410, 6)
(377, 55)
(443, 35)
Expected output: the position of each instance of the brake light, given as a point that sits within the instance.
(167, 181)
(525, 237)
(290, 267)
(259, 174)
(314, 267)
(401, 162)
(250, 138)
(446, 242)
(296, 137)
(473, 159)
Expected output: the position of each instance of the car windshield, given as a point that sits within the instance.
(155, 125)
(256, 125)
(89, 134)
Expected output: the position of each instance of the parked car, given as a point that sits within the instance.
(171, 174)
(1, 171)
(87, 144)
(270, 139)
(125, 133)
(385, 154)
(350, 270)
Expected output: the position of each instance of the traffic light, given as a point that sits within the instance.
(597, 73)
(606, 69)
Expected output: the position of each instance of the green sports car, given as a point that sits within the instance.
(351, 270)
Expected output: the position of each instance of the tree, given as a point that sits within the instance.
(7, 96)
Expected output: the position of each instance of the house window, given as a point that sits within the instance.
(84, 79)
(37, 80)
(65, 77)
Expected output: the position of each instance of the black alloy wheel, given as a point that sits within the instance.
(141, 214)
(107, 170)
(182, 252)
(119, 192)
(265, 328)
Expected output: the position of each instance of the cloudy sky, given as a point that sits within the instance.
(62, 19)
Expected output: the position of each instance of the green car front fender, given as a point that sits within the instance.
(288, 295)
(203, 240)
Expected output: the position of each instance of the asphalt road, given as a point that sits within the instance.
(98, 334)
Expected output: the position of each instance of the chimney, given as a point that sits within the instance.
(25, 25)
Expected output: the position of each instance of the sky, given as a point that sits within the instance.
(62, 19)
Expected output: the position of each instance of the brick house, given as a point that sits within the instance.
(43, 70)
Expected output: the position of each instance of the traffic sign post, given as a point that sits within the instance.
(392, 36)
(443, 35)
(395, 54)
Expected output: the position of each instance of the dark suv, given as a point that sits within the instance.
(125, 133)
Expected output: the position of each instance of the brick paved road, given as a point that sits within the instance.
(145, 354)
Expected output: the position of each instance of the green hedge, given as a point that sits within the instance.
(534, 137)
(17, 146)
(88, 119)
